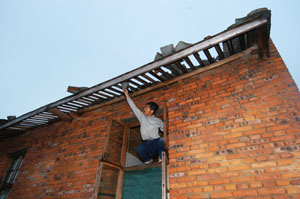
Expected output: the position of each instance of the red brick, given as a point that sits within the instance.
(271, 191)
(223, 194)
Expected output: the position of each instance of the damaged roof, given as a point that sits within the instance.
(168, 64)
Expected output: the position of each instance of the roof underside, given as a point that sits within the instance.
(242, 35)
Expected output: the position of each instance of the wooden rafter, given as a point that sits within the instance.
(60, 114)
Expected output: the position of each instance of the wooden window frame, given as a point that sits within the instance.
(121, 168)
(12, 171)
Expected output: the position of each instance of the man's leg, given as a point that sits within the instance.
(142, 150)
(161, 148)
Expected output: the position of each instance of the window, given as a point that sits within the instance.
(16, 161)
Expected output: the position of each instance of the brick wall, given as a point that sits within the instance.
(234, 133)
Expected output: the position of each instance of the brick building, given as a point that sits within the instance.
(231, 115)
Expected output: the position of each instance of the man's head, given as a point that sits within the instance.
(150, 108)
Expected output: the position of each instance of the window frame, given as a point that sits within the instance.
(12, 171)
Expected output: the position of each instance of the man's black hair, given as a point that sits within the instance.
(153, 106)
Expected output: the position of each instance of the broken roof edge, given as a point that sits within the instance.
(205, 43)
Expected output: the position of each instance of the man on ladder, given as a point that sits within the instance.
(152, 144)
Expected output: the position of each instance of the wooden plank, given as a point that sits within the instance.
(142, 81)
(115, 90)
(64, 109)
(123, 160)
(143, 166)
(73, 103)
(181, 67)
(197, 56)
(99, 96)
(119, 184)
(84, 101)
(230, 47)
(156, 76)
(149, 79)
(166, 124)
(173, 70)
(148, 67)
(97, 180)
(135, 84)
(60, 114)
(164, 176)
(110, 165)
(209, 57)
(263, 42)
(107, 94)
(189, 62)
(167, 75)
(69, 107)
(219, 51)
(242, 42)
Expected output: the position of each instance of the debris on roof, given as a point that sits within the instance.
(75, 90)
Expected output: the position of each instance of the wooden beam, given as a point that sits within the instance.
(204, 44)
(97, 180)
(60, 114)
(166, 124)
(143, 166)
(164, 176)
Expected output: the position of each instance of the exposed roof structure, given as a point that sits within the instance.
(185, 58)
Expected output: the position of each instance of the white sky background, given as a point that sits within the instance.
(48, 45)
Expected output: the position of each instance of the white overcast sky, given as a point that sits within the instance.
(48, 45)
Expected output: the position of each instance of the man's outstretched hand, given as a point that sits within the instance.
(125, 92)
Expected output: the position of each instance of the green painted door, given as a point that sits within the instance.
(142, 184)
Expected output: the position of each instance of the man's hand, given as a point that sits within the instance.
(125, 92)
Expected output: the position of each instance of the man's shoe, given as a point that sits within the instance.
(149, 161)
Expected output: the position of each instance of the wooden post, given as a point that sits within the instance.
(164, 176)
(166, 123)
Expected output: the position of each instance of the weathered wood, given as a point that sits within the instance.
(156, 76)
(242, 42)
(135, 84)
(219, 51)
(174, 71)
(60, 114)
(197, 56)
(143, 166)
(142, 81)
(110, 93)
(149, 79)
(115, 90)
(74, 103)
(189, 62)
(166, 124)
(119, 184)
(110, 165)
(230, 47)
(97, 180)
(123, 160)
(181, 67)
(164, 179)
(209, 57)
(148, 67)
(167, 75)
